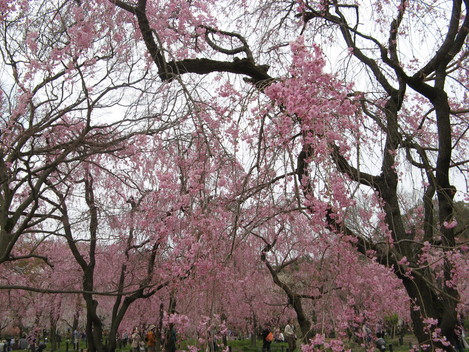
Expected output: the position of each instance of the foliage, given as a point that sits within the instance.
(216, 165)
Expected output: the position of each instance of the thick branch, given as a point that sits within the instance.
(258, 74)
(168, 70)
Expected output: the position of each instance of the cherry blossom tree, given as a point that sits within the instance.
(145, 223)
(60, 78)
(415, 99)
(63, 85)
(288, 130)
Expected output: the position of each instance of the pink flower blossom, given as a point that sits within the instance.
(451, 224)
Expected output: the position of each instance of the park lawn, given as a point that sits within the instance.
(246, 345)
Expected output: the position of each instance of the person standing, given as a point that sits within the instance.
(172, 339)
(290, 336)
(380, 342)
(33, 340)
(136, 339)
(278, 335)
(150, 339)
(267, 338)
(23, 343)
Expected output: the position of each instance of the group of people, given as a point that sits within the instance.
(288, 335)
(31, 343)
(148, 342)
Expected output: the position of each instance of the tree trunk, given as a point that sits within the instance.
(168, 341)
(431, 305)
(53, 330)
(94, 327)
(254, 330)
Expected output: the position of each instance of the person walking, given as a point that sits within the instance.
(290, 336)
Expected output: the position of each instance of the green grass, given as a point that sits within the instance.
(247, 346)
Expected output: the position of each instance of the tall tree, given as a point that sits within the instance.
(414, 99)
(260, 134)
(61, 76)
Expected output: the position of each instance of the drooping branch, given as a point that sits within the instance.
(352, 172)
(348, 33)
(294, 299)
(302, 173)
(454, 40)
